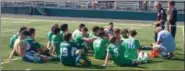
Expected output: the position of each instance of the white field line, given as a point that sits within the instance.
(27, 69)
(4, 62)
(131, 24)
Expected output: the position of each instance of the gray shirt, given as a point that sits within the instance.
(166, 40)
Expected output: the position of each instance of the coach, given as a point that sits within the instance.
(161, 17)
(171, 18)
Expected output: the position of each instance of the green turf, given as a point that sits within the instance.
(145, 35)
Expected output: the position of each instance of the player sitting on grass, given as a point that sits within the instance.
(124, 34)
(93, 35)
(50, 34)
(131, 48)
(55, 41)
(94, 32)
(131, 45)
(34, 45)
(78, 30)
(118, 38)
(116, 53)
(106, 37)
(110, 30)
(20, 47)
(99, 46)
(68, 51)
(63, 29)
(15, 36)
(81, 40)
(165, 43)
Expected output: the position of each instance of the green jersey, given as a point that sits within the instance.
(78, 40)
(12, 40)
(49, 35)
(33, 44)
(117, 54)
(56, 42)
(67, 53)
(61, 35)
(99, 46)
(131, 45)
(93, 35)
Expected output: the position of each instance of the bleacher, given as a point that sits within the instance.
(125, 5)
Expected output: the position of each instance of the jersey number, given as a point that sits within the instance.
(65, 51)
(116, 52)
(131, 44)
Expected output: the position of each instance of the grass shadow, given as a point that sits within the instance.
(179, 54)
(138, 66)
(152, 62)
(90, 67)
(177, 59)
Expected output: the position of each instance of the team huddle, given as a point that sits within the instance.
(71, 49)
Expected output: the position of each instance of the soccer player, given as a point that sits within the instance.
(69, 55)
(99, 46)
(110, 29)
(124, 34)
(131, 45)
(93, 35)
(50, 34)
(118, 38)
(55, 41)
(95, 30)
(80, 39)
(63, 29)
(68, 51)
(172, 18)
(20, 47)
(117, 55)
(78, 30)
(34, 45)
(166, 42)
(15, 36)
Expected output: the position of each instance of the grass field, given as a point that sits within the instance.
(145, 34)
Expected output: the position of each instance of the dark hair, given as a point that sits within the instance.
(31, 31)
(81, 25)
(22, 28)
(56, 30)
(54, 26)
(101, 28)
(111, 23)
(172, 3)
(101, 34)
(95, 28)
(117, 30)
(63, 27)
(124, 31)
(24, 32)
(67, 36)
(113, 39)
(84, 29)
(133, 32)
